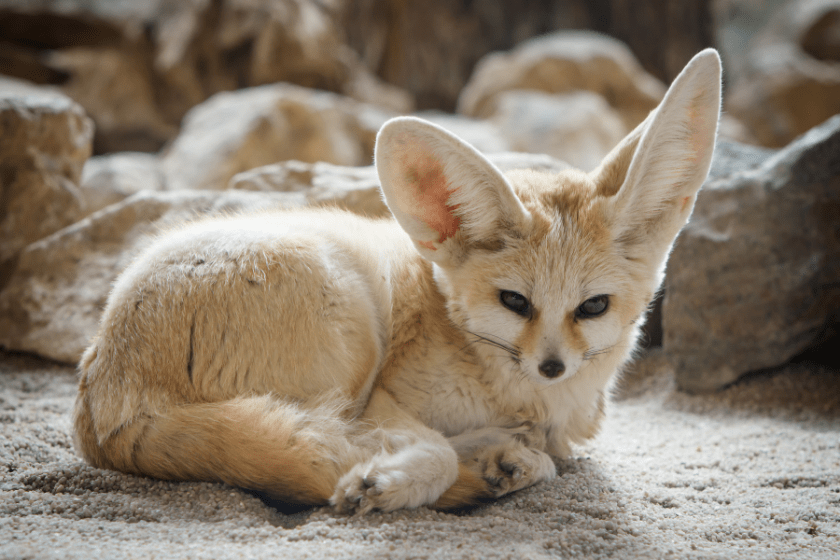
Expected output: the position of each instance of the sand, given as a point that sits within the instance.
(750, 472)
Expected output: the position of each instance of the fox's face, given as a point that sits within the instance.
(553, 297)
(547, 273)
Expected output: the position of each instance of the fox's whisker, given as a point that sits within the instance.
(501, 343)
(595, 352)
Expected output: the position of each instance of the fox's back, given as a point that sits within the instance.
(289, 303)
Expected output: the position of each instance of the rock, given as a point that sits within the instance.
(786, 78)
(98, 53)
(111, 178)
(320, 184)
(52, 301)
(138, 67)
(754, 278)
(579, 127)
(430, 48)
(483, 135)
(508, 161)
(730, 128)
(363, 85)
(45, 139)
(565, 62)
(115, 88)
(354, 188)
(237, 131)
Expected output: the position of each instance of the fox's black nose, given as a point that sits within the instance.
(552, 368)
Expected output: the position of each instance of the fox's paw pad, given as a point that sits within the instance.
(507, 469)
(366, 488)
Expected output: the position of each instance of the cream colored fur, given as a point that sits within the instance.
(322, 357)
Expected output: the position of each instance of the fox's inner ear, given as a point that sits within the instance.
(658, 169)
(445, 194)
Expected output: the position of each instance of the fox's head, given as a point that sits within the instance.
(554, 271)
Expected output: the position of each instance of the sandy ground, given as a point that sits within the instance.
(750, 472)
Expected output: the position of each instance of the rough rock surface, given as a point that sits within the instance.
(237, 131)
(579, 127)
(565, 62)
(52, 302)
(748, 473)
(754, 279)
(45, 139)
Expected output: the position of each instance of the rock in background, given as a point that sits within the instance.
(138, 67)
(284, 99)
(45, 139)
(783, 62)
(430, 48)
(236, 131)
(754, 278)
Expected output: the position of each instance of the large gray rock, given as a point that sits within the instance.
(754, 278)
(52, 301)
(45, 139)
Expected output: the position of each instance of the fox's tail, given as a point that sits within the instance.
(260, 443)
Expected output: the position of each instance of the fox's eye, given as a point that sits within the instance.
(593, 307)
(517, 303)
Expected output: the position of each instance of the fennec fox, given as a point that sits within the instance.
(440, 358)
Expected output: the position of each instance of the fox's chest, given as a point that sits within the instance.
(454, 394)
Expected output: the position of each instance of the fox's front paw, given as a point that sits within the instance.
(393, 481)
(365, 488)
(507, 468)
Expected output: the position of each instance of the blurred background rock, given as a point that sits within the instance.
(114, 114)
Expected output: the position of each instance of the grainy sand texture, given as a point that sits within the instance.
(749, 472)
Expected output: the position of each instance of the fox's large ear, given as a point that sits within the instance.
(446, 195)
(658, 169)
